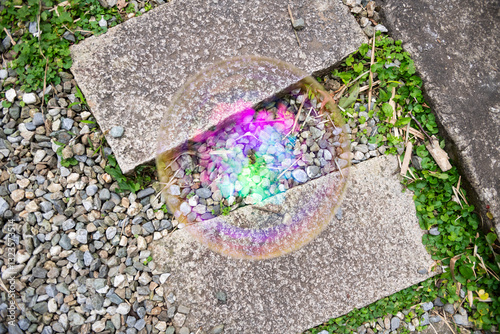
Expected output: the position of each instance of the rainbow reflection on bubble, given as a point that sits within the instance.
(247, 176)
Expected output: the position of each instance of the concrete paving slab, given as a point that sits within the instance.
(129, 74)
(455, 48)
(373, 251)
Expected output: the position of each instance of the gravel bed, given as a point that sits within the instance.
(255, 155)
(78, 248)
(75, 250)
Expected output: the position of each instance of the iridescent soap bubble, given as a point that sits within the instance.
(249, 174)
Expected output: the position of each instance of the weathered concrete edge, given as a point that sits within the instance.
(471, 182)
(186, 239)
(85, 49)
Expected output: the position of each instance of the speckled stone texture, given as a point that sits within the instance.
(373, 251)
(129, 75)
(455, 47)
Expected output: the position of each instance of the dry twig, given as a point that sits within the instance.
(295, 31)
(371, 74)
(12, 41)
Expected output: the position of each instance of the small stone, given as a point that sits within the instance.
(99, 326)
(91, 190)
(219, 329)
(369, 31)
(380, 28)
(395, 322)
(204, 192)
(312, 171)
(30, 98)
(67, 124)
(364, 22)
(103, 23)
(81, 236)
(116, 131)
(111, 232)
(38, 119)
(449, 308)
(299, 175)
(422, 271)
(104, 194)
(10, 95)
(434, 231)
(299, 24)
(123, 309)
(145, 192)
(427, 306)
(438, 302)
(424, 320)
(17, 195)
(416, 162)
(435, 319)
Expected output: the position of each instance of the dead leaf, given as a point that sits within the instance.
(121, 4)
(452, 266)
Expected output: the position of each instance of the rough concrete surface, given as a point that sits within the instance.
(373, 251)
(455, 47)
(129, 74)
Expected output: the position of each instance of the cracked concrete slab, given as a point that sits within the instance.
(455, 48)
(373, 251)
(129, 74)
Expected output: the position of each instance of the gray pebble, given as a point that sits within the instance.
(299, 175)
(434, 231)
(425, 319)
(111, 232)
(204, 192)
(116, 131)
(449, 308)
(461, 320)
(81, 236)
(145, 192)
(395, 322)
(427, 306)
(38, 119)
(91, 190)
(67, 124)
(104, 194)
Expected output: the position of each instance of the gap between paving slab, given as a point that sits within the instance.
(129, 74)
(373, 251)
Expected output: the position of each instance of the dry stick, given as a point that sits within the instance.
(305, 120)
(420, 126)
(362, 89)
(327, 115)
(406, 160)
(2, 284)
(296, 117)
(414, 132)
(371, 74)
(168, 184)
(10, 37)
(340, 92)
(340, 170)
(283, 172)
(123, 228)
(350, 83)
(291, 18)
(177, 157)
(446, 322)
(407, 132)
(392, 103)
(433, 328)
